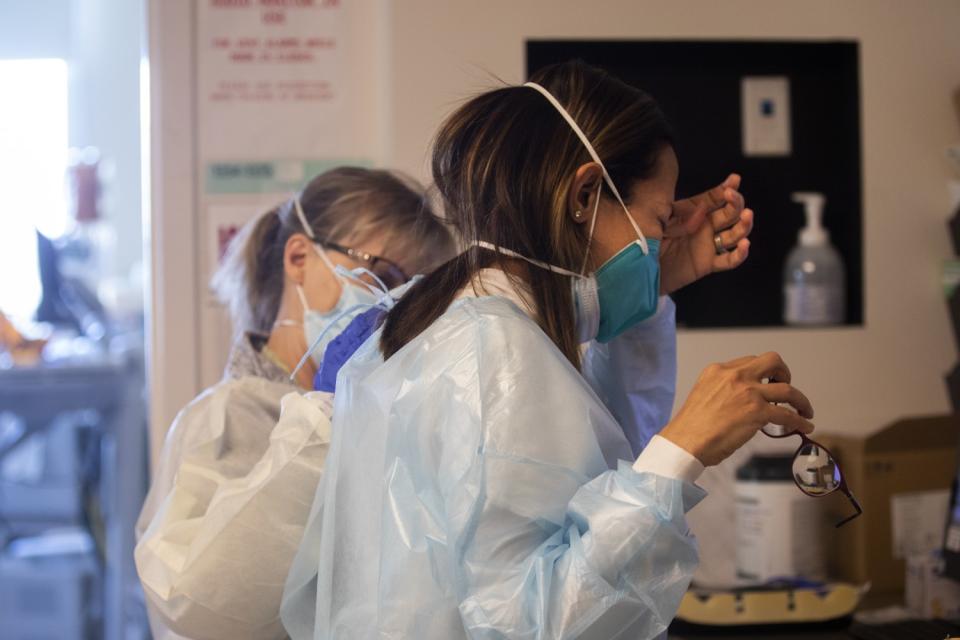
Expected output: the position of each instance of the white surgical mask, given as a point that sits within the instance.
(315, 323)
(321, 327)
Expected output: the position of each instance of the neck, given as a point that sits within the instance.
(288, 343)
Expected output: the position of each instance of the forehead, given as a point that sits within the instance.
(668, 165)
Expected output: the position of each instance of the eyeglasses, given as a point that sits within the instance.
(385, 269)
(815, 471)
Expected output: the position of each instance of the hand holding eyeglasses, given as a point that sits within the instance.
(730, 402)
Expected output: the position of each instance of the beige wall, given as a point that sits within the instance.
(858, 378)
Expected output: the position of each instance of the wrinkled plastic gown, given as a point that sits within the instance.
(226, 511)
(474, 488)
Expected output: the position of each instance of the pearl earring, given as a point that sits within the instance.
(577, 214)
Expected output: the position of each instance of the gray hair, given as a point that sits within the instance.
(346, 205)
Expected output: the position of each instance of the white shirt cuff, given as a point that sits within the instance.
(666, 459)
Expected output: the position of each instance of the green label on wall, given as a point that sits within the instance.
(268, 176)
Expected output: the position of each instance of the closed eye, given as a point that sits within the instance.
(666, 219)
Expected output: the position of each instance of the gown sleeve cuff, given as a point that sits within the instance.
(665, 458)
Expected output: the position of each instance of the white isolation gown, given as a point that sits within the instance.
(477, 486)
(227, 507)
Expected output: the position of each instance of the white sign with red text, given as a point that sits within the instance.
(279, 78)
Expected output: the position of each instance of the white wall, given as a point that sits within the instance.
(858, 378)
(173, 328)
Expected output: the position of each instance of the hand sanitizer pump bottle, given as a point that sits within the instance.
(813, 278)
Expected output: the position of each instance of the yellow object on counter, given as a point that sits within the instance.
(23, 351)
(781, 606)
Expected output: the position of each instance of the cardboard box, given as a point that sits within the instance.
(910, 456)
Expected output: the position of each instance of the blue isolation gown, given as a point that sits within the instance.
(478, 486)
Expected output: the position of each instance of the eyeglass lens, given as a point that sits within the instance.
(815, 471)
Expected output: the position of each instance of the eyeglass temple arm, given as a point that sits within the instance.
(356, 254)
(856, 505)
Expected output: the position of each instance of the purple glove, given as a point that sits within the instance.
(345, 345)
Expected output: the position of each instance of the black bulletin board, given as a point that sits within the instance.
(697, 83)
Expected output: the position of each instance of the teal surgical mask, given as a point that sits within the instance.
(625, 290)
(622, 293)
(628, 288)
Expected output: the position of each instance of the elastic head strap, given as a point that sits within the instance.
(593, 154)
(489, 246)
(303, 219)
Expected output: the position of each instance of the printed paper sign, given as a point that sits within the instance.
(224, 222)
(269, 75)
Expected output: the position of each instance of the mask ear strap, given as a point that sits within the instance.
(383, 293)
(320, 251)
(303, 299)
(316, 248)
(323, 334)
(593, 224)
(593, 154)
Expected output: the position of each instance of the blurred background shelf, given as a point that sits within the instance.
(69, 497)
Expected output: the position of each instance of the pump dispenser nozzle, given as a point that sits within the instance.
(813, 235)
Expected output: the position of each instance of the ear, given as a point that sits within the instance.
(584, 191)
(295, 257)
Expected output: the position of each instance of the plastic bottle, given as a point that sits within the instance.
(778, 527)
(813, 278)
